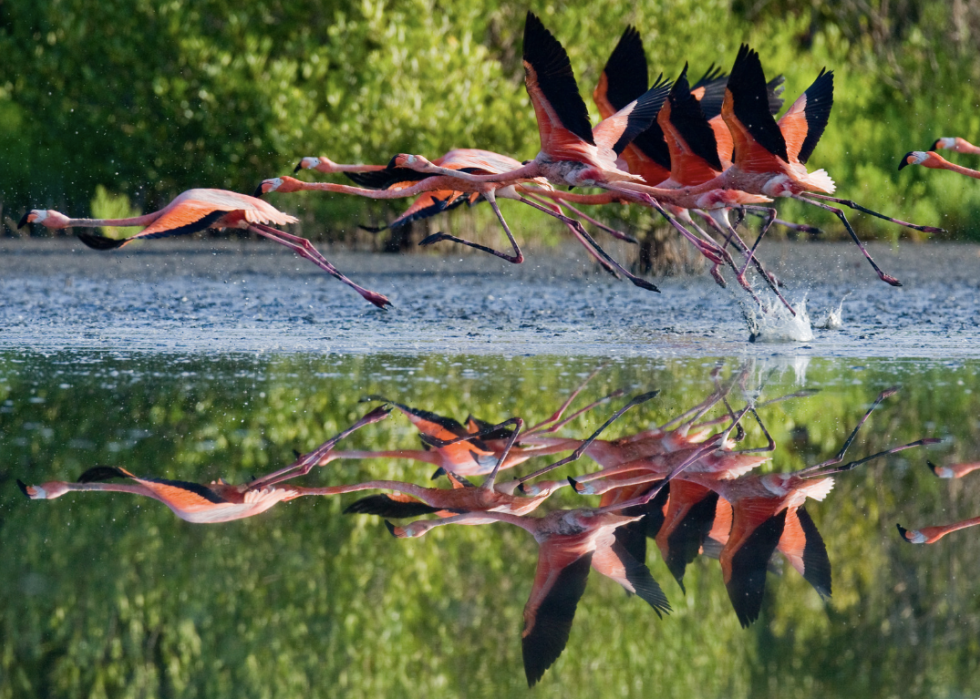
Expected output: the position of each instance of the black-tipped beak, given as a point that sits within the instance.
(574, 483)
(299, 166)
(23, 488)
(932, 467)
(391, 163)
(23, 220)
(391, 528)
(935, 144)
(905, 160)
(903, 531)
(439, 472)
(258, 192)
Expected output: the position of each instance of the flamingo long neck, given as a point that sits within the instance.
(427, 185)
(429, 457)
(357, 168)
(587, 199)
(946, 165)
(144, 220)
(962, 525)
(398, 486)
(133, 488)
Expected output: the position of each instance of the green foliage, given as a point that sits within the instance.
(106, 205)
(153, 98)
(111, 595)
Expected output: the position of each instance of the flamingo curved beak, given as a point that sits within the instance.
(905, 159)
(258, 192)
(23, 488)
(937, 144)
(299, 166)
(24, 220)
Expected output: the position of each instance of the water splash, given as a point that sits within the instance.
(834, 319)
(774, 323)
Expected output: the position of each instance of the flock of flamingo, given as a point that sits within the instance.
(695, 153)
(685, 484)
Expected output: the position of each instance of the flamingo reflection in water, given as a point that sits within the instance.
(205, 504)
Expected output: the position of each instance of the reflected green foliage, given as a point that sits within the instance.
(111, 595)
(149, 98)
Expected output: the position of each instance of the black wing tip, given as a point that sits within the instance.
(23, 488)
(905, 160)
(100, 242)
(23, 219)
(100, 473)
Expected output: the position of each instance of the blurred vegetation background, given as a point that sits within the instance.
(110, 595)
(146, 99)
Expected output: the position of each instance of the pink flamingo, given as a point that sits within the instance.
(930, 535)
(954, 470)
(955, 144)
(204, 504)
(197, 210)
(936, 162)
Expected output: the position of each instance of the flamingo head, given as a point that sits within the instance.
(322, 164)
(411, 162)
(913, 536)
(48, 218)
(47, 491)
(918, 157)
(950, 143)
(278, 184)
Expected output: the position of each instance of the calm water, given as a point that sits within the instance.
(112, 595)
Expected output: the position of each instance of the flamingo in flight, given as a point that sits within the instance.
(768, 515)
(770, 157)
(935, 161)
(197, 210)
(574, 154)
(569, 543)
(204, 504)
(396, 182)
(956, 144)
(930, 535)
(954, 470)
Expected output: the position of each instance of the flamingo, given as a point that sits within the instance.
(569, 543)
(199, 209)
(198, 503)
(397, 181)
(768, 515)
(954, 470)
(930, 535)
(956, 144)
(326, 165)
(937, 162)
(771, 157)
(574, 154)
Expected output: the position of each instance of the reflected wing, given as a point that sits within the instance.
(744, 563)
(615, 562)
(633, 536)
(803, 546)
(563, 118)
(803, 123)
(758, 140)
(550, 610)
(690, 517)
(393, 505)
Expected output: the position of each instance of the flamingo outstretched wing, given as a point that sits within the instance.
(559, 584)
(691, 140)
(563, 118)
(804, 122)
(619, 130)
(690, 517)
(758, 141)
(180, 495)
(746, 558)
(804, 548)
(613, 560)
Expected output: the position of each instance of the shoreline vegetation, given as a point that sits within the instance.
(105, 107)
